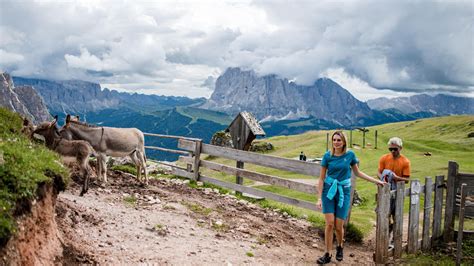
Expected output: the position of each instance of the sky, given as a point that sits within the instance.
(373, 48)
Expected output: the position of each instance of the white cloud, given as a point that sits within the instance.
(172, 47)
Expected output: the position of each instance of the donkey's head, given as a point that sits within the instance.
(28, 127)
(48, 130)
(65, 132)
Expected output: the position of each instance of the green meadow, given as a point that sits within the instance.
(443, 138)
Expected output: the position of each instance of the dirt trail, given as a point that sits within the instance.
(170, 223)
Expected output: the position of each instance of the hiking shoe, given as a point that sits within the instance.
(324, 259)
(339, 253)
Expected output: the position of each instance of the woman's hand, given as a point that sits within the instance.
(380, 183)
(319, 204)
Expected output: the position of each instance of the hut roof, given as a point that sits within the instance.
(251, 122)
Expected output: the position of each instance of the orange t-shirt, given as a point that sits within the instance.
(400, 166)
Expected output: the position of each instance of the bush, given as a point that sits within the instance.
(353, 234)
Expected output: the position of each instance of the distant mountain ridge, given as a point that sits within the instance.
(439, 105)
(78, 97)
(271, 98)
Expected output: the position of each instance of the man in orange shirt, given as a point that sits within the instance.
(394, 167)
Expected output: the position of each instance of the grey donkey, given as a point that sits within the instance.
(109, 141)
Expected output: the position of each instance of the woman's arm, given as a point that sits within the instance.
(363, 175)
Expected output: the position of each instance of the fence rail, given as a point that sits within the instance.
(191, 149)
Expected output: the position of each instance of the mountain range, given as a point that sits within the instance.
(439, 105)
(283, 107)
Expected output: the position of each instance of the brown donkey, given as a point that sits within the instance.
(79, 149)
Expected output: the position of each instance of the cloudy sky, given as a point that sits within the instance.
(372, 48)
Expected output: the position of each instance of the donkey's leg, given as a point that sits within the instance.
(85, 173)
(135, 160)
(103, 168)
(98, 168)
(141, 158)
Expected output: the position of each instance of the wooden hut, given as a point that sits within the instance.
(244, 129)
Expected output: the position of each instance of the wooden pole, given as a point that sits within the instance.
(437, 209)
(381, 233)
(350, 142)
(238, 179)
(453, 168)
(462, 208)
(398, 226)
(375, 139)
(426, 243)
(197, 155)
(413, 220)
(327, 141)
(363, 138)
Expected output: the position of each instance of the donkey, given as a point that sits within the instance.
(111, 141)
(79, 149)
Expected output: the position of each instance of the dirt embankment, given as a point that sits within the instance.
(37, 241)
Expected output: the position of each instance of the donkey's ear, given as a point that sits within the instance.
(56, 117)
(77, 118)
(68, 118)
(52, 124)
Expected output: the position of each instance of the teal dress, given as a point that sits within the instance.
(336, 194)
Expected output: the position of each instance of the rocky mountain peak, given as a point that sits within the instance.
(272, 98)
(23, 99)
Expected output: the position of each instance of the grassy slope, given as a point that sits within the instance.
(444, 137)
(196, 113)
(23, 165)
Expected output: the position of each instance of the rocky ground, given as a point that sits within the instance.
(169, 222)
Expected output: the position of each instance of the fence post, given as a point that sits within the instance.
(453, 169)
(462, 207)
(327, 141)
(383, 211)
(238, 179)
(425, 244)
(375, 139)
(350, 140)
(398, 225)
(363, 138)
(197, 155)
(415, 189)
(437, 209)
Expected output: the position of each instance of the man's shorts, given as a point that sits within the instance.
(330, 206)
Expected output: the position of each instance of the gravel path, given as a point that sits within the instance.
(171, 223)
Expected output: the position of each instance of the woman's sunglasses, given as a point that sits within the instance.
(393, 149)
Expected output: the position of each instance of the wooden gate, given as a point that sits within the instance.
(431, 230)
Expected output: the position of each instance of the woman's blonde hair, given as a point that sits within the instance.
(344, 140)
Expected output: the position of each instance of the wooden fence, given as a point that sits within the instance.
(191, 151)
(430, 212)
(424, 236)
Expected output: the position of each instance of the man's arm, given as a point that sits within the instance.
(399, 178)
